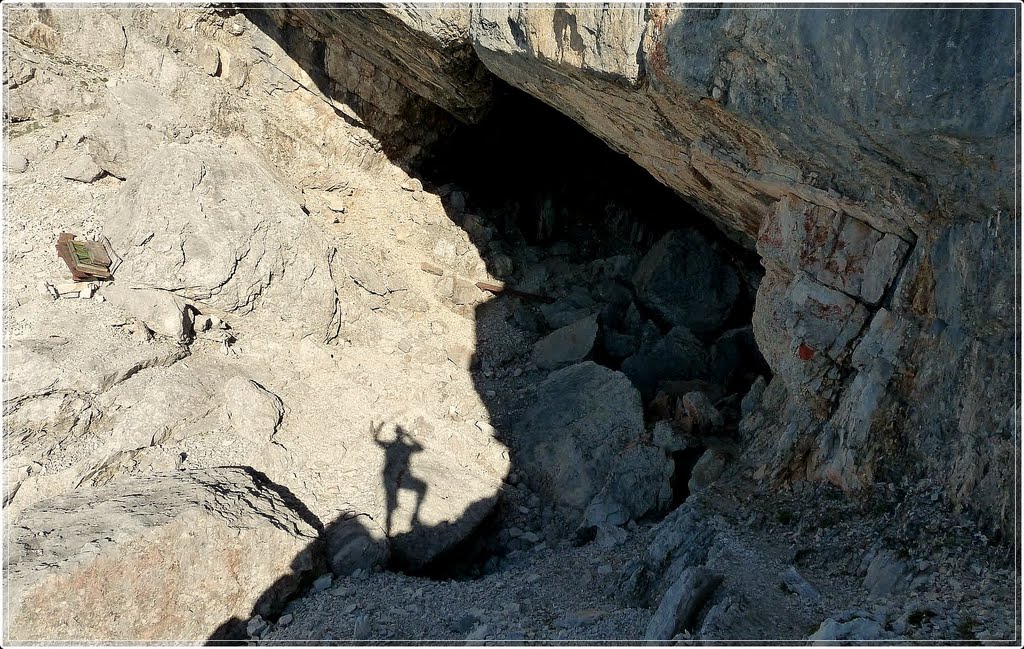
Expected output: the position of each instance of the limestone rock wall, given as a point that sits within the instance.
(869, 157)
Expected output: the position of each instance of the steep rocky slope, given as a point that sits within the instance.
(295, 414)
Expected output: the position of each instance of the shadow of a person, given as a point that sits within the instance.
(396, 474)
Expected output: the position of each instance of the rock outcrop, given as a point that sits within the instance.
(585, 416)
(169, 557)
(888, 136)
(228, 243)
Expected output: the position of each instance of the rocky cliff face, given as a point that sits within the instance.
(868, 156)
(481, 372)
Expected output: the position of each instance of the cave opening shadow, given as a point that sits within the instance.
(509, 171)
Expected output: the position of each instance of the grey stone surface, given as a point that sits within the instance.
(570, 344)
(886, 574)
(679, 606)
(83, 169)
(163, 312)
(583, 417)
(686, 282)
(638, 484)
(16, 163)
(799, 585)
(753, 396)
(708, 469)
(858, 629)
(198, 546)
(676, 355)
(240, 245)
(252, 410)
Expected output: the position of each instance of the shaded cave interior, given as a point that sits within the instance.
(532, 188)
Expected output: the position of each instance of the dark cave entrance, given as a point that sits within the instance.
(533, 189)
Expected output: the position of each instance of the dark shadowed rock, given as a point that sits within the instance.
(686, 282)
(567, 345)
(677, 355)
(681, 603)
(583, 417)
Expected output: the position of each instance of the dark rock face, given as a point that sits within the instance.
(888, 135)
(677, 355)
(685, 282)
(584, 416)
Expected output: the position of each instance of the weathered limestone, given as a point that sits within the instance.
(584, 416)
(234, 246)
(167, 558)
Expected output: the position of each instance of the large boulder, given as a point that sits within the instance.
(584, 416)
(638, 484)
(169, 558)
(686, 282)
(678, 355)
(215, 226)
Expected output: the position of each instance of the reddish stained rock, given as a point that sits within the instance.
(805, 352)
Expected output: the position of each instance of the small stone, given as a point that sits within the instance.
(412, 185)
(361, 630)
(457, 202)
(83, 170)
(530, 537)
(532, 578)
(609, 536)
(209, 59)
(501, 266)
(335, 203)
(322, 583)
(707, 469)
(285, 619)
(140, 332)
(515, 532)
(465, 623)
(461, 355)
(203, 323)
(604, 569)
(796, 583)
(433, 269)
(479, 633)
(464, 292)
(17, 163)
(753, 396)
(255, 625)
(567, 345)
(236, 28)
